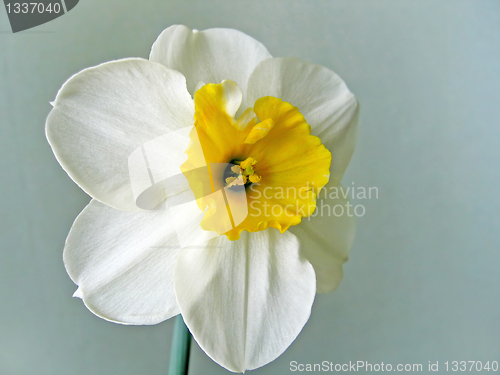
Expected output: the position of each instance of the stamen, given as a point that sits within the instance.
(233, 181)
(254, 178)
(247, 162)
(244, 171)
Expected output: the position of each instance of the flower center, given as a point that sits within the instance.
(276, 166)
(242, 173)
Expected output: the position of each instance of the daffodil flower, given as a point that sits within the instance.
(244, 293)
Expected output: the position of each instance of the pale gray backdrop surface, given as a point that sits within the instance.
(422, 283)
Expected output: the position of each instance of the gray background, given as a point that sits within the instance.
(422, 283)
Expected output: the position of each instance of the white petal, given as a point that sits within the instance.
(210, 56)
(154, 168)
(188, 218)
(245, 301)
(198, 86)
(102, 114)
(123, 263)
(327, 236)
(232, 97)
(320, 95)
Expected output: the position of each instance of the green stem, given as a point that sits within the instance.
(181, 343)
